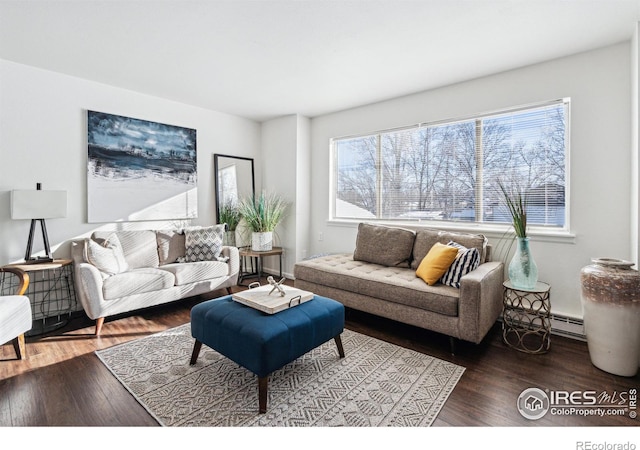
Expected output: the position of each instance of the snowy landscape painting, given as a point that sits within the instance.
(139, 170)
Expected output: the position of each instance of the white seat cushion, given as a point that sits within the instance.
(191, 272)
(136, 281)
(15, 317)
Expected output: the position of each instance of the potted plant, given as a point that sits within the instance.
(262, 215)
(523, 271)
(230, 215)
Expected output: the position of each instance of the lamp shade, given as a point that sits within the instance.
(38, 204)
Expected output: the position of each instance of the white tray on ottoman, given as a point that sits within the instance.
(268, 299)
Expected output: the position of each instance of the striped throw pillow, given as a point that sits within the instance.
(467, 260)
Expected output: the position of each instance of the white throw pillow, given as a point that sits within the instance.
(108, 257)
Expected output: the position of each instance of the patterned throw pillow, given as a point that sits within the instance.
(468, 259)
(203, 243)
(108, 257)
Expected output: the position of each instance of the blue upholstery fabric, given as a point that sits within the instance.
(262, 342)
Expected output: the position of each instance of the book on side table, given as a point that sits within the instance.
(269, 300)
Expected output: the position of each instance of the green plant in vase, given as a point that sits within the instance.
(523, 271)
(262, 215)
(230, 215)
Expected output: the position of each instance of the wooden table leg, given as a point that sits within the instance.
(339, 345)
(263, 383)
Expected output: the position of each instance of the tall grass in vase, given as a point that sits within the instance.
(262, 215)
(523, 271)
(230, 215)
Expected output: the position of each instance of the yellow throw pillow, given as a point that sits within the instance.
(436, 263)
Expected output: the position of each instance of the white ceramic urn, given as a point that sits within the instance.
(611, 307)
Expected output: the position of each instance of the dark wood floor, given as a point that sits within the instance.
(62, 383)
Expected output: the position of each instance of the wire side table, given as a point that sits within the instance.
(526, 318)
(51, 291)
(246, 252)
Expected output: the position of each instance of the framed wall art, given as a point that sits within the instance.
(139, 170)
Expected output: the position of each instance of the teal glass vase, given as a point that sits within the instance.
(523, 271)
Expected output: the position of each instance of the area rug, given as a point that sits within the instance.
(377, 384)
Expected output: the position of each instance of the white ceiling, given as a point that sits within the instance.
(266, 58)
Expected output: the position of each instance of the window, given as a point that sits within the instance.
(449, 171)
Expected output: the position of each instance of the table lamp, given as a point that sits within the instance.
(38, 205)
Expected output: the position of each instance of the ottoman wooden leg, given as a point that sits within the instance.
(339, 345)
(196, 351)
(263, 383)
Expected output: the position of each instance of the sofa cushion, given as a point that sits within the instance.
(425, 238)
(203, 243)
(388, 246)
(436, 263)
(191, 272)
(107, 256)
(394, 284)
(467, 259)
(137, 281)
(171, 245)
(140, 247)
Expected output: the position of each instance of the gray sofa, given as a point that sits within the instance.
(145, 268)
(379, 277)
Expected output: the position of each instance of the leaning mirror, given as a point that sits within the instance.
(234, 180)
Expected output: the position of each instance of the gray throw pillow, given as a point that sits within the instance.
(425, 239)
(171, 245)
(203, 243)
(387, 246)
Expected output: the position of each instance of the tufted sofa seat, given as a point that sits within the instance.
(392, 284)
(390, 288)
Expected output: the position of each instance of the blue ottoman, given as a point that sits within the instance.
(263, 342)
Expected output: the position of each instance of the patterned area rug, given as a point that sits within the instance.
(376, 384)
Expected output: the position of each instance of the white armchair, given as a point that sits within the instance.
(15, 313)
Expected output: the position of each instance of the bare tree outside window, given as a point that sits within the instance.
(450, 171)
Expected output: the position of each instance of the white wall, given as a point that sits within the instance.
(598, 83)
(285, 171)
(43, 138)
(303, 189)
(635, 146)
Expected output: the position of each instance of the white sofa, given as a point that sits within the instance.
(150, 273)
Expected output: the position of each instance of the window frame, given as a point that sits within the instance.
(549, 231)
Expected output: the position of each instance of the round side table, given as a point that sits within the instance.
(526, 318)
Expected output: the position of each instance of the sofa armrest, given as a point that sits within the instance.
(480, 302)
(89, 289)
(234, 259)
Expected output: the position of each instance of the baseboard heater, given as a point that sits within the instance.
(566, 326)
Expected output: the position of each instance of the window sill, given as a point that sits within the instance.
(536, 234)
